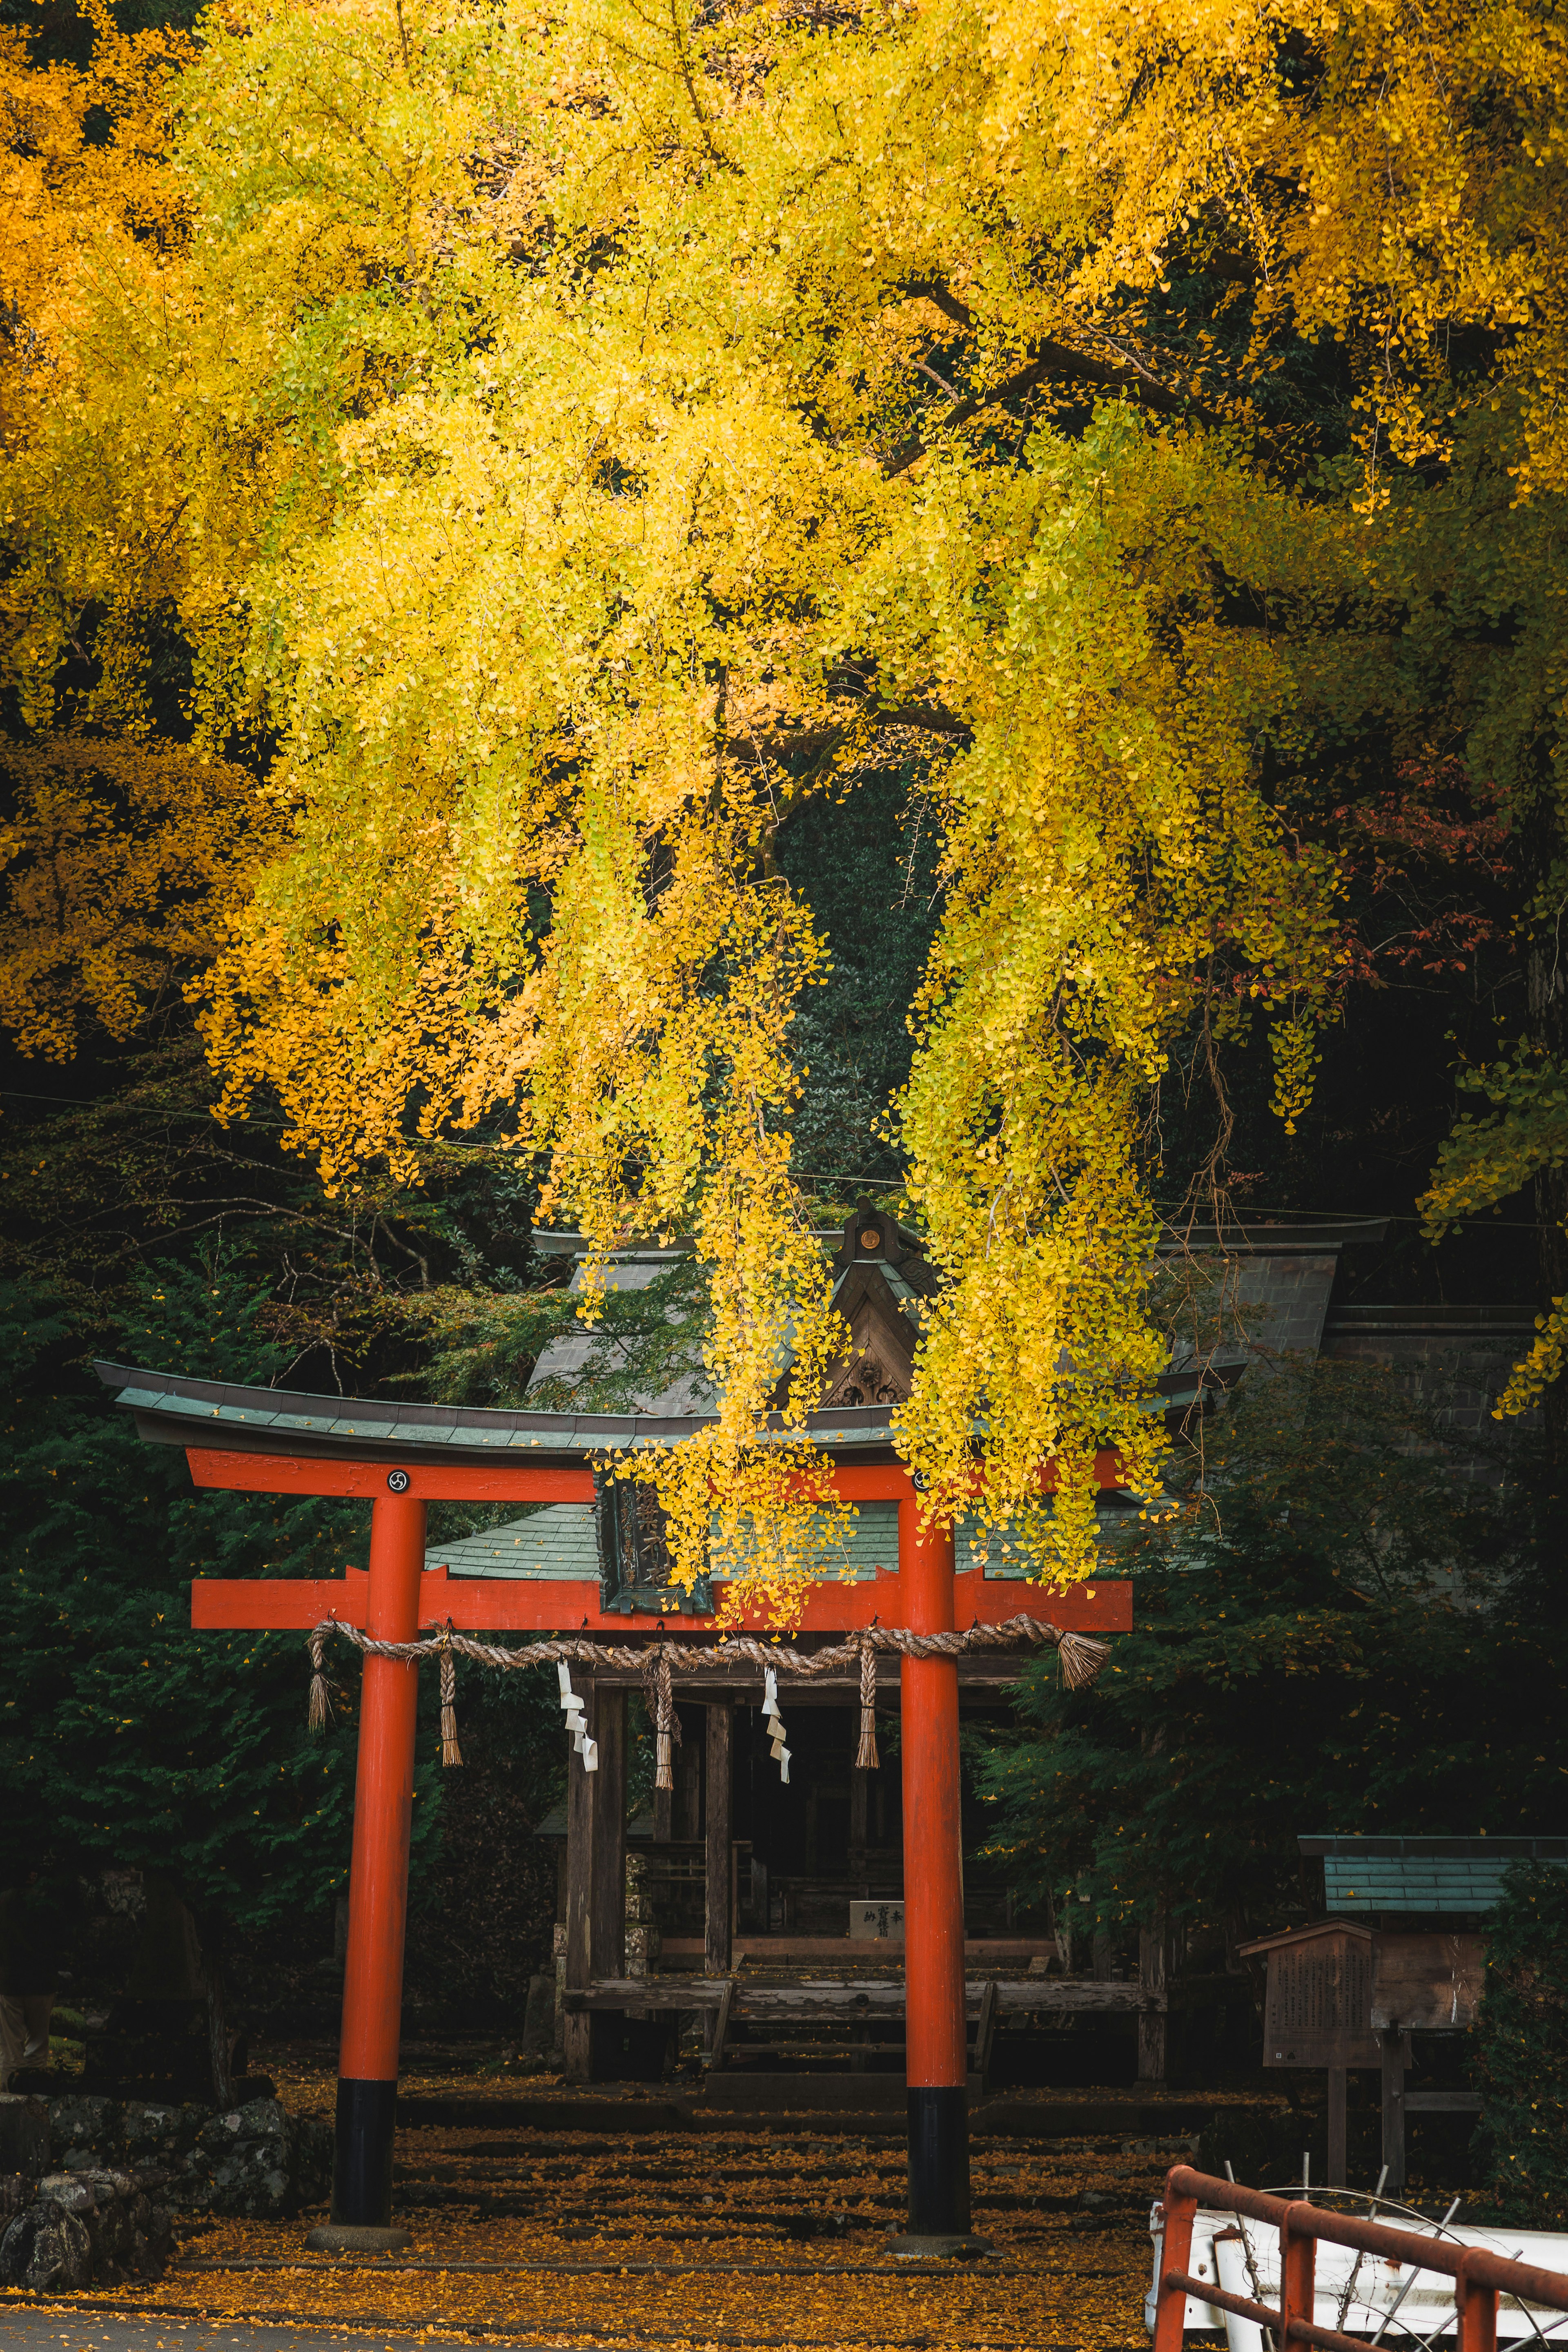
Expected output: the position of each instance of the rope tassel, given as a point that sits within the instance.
(450, 1751)
(663, 1723)
(318, 1714)
(866, 1757)
(1082, 1658)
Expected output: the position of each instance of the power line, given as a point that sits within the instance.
(103, 1102)
(1363, 1217)
(818, 1175)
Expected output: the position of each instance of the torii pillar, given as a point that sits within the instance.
(378, 1871)
(935, 2046)
(393, 1602)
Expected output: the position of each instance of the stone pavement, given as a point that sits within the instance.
(62, 2330)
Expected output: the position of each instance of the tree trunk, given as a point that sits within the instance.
(217, 2013)
(1547, 995)
(1551, 1209)
(1152, 2049)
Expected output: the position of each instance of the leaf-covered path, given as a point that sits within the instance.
(724, 2237)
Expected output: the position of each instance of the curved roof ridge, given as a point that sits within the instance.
(174, 1409)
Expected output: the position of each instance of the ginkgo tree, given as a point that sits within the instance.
(570, 445)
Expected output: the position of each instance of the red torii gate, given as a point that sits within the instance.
(402, 1458)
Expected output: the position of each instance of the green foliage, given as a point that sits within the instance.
(1320, 1642)
(353, 1295)
(126, 1737)
(484, 1344)
(867, 867)
(136, 1229)
(1521, 2049)
(1488, 1160)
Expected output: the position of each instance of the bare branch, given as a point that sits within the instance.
(815, 740)
(1131, 374)
(932, 291)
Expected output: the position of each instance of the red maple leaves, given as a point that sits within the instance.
(1430, 871)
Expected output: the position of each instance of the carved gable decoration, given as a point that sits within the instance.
(882, 1275)
(878, 1367)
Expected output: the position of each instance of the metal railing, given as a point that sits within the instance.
(1480, 2276)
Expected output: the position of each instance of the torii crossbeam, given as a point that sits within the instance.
(400, 1459)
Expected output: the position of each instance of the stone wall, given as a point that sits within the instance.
(93, 2228)
(255, 2159)
(90, 2187)
(1453, 1370)
(1281, 1300)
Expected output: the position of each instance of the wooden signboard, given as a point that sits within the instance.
(1318, 2007)
(1425, 1983)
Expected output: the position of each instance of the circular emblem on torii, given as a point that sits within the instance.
(397, 1482)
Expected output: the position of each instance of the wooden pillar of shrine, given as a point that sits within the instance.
(577, 2024)
(719, 1777)
(936, 2054)
(596, 1884)
(608, 1941)
(687, 1797)
(378, 1879)
(860, 1819)
(1394, 2051)
(1153, 1999)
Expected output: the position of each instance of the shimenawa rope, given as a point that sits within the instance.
(1079, 1655)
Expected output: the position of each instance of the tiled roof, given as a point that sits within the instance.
(567, 1354)
(1437, 1887)
(1437, 1876)
(560, 1543)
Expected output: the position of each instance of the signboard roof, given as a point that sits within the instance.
(1433, 1877)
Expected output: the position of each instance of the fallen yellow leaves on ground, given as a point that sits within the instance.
(622, 2240)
